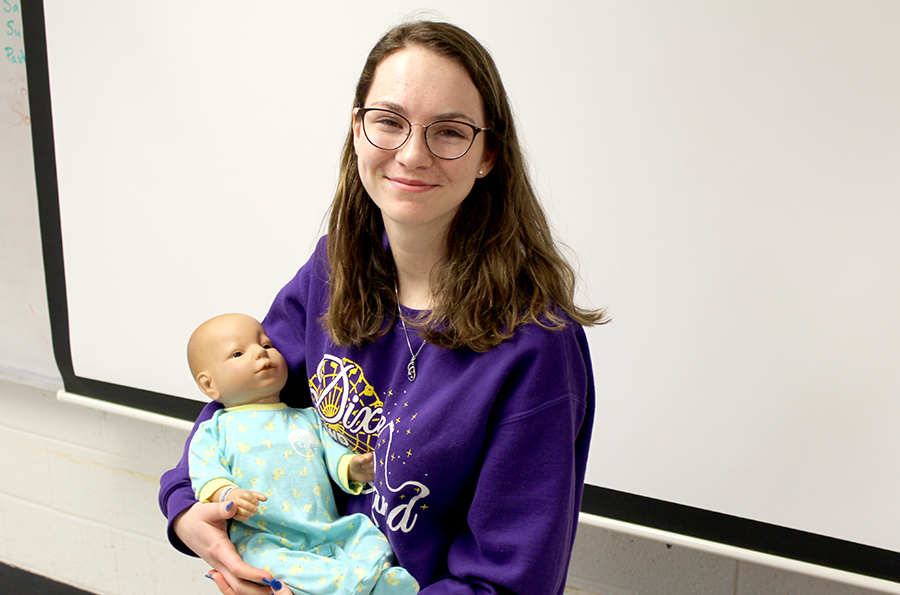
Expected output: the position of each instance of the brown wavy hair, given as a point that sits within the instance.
(502, 267)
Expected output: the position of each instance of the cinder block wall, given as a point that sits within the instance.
(78, 497)
(78, 504)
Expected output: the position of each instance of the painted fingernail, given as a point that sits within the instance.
(227, 508)
(209, 576)
(274, 583)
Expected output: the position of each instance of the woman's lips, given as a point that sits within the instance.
(411, 185)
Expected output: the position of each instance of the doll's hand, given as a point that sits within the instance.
(246, 501)
(362, 468)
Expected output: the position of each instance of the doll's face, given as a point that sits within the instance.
(239, 366)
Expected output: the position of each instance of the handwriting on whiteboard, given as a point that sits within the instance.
(20, 102)
(14, 91)
(13, 48)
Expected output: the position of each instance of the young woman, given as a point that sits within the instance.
(436, 326)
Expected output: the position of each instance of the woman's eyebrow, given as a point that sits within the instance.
(394, 107)
(454, 116)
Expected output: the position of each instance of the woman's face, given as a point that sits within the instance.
(414, 189)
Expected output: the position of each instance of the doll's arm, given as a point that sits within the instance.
(245, 500)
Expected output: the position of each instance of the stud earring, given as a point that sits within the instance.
(480, 172)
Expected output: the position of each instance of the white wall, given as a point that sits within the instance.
(78, 504)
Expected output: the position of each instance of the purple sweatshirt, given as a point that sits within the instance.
(480, 461)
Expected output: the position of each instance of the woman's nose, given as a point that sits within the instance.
(415, 153)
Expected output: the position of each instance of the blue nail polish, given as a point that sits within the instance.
(227, 508)
(274, 583)
(209, 576)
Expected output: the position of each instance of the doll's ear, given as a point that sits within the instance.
(205, 382)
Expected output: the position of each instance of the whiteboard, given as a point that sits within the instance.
(26, 352)
(726, 176)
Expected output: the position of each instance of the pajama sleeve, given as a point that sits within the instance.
(210, 469)
(337, 459)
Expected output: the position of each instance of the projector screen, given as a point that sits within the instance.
(726, 176)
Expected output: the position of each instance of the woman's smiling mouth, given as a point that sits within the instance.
(410, 185)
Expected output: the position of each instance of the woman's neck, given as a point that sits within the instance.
(415, 257)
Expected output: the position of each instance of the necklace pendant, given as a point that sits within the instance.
(411, 367)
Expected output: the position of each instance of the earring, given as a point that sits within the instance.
(480, 172)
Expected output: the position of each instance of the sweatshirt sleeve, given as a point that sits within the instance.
(175, 492)
(521, 525)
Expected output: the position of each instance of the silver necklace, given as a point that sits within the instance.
(411, 367)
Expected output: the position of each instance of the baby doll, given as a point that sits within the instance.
(274, 462)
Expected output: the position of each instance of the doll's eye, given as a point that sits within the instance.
(237, 354)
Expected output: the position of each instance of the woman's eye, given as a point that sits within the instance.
(450, 132)
(389, 123)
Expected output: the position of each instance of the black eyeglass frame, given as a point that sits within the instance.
(362, 111)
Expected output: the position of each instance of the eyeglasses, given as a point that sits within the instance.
(446, 139)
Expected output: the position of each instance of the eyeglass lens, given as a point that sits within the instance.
(447, 139)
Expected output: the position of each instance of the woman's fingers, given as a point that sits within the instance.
(279, 588)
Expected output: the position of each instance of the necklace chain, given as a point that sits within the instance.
(411, 367)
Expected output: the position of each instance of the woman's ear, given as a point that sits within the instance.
(487, 163)
(357, 130)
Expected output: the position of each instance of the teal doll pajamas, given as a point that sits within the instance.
(297, 533)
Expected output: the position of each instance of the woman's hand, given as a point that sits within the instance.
(203, 528)
(278, 588)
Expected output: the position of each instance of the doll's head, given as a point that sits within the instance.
(234, 363)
